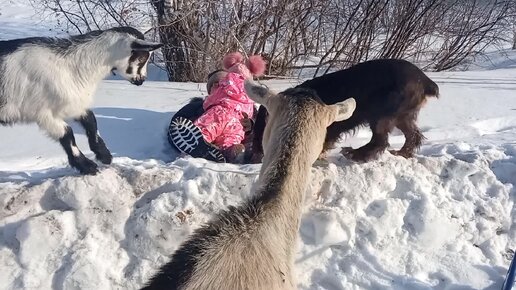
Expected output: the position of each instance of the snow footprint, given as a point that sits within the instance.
(495, 125)
(376, 208)
(322, 227)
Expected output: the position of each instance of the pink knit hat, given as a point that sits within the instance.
(234, 62)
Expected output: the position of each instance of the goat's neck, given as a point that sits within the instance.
(90, 62)
(284, 178)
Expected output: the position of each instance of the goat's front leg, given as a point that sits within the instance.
(97, 145)
(60, 131)
(379, 142)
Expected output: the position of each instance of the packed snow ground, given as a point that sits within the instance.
(443, 220)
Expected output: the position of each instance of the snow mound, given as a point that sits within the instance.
(428, 222)
(431, 222)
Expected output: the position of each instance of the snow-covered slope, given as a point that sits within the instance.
(19, 19)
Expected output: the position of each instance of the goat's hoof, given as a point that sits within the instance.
(346, 150)
(402, 153)
(104, 157)
(85, 166)
(101, 152)
(350, 153)
(358, 155)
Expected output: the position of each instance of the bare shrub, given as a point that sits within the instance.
(468, 28)
(81, 16)
(311, 35)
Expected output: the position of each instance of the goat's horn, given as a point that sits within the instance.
(144, 45)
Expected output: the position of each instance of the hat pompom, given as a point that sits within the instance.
(231, 59)
(256, 65)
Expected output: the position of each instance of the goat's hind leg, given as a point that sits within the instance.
(413, 137)
(59, 130)
(97, 145)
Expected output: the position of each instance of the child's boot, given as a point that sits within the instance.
(187, 138)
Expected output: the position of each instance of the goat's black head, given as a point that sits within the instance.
(134, 55)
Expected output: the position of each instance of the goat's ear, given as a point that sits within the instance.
(142, 45)
(257, 93)
(344, 109)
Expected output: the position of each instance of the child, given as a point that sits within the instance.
(226, 110)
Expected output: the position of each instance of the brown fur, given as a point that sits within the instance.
(252, 246)
(389, 93)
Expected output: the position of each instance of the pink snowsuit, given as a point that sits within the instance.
(220, 123)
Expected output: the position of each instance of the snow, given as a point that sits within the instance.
(443, 220)
(19, 19)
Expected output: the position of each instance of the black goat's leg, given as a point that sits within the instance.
(75, 156)
(258, 130)
(60, 131)
(337, 129)
(379, 141)
(97, 145)
(413, 137)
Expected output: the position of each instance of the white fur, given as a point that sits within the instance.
(75, 151)
(42, 86)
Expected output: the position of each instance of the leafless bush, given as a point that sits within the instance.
(80, 16)
(511, 23)
(198, 33)
(315, 35)
(468, 28)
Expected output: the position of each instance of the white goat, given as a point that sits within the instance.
(252, 246)
(48, 80)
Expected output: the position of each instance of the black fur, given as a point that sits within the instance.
(83, 164)
(61, 45)
(129, 30)
(192, 110)
(145, 47)
(138, 56)
(258, 129)
(97, 145)
(388, 92)
(2, 93)
(370, 82)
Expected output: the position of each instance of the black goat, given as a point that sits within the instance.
(389, 93)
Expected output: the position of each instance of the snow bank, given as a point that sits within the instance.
(429, 222)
